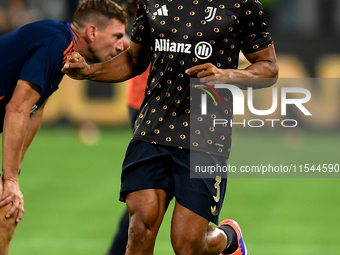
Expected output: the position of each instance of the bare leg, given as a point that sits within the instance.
(191, 234)
(7, 226)
(146, 209)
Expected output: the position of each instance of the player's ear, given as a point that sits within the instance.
(91, 33)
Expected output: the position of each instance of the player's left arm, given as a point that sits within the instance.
(16, 122)
(263, 65)
(33, 127)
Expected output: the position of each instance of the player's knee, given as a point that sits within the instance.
(7, 228)
(140, 234)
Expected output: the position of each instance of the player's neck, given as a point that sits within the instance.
(79, 43)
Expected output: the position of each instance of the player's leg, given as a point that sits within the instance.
(147, 190)
(146, 209)
(199, 200)
(7, 226)
(191, 234)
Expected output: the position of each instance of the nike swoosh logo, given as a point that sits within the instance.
(2, 97)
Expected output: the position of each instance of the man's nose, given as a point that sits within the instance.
(120, 45)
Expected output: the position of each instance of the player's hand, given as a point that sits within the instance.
(76, 67)
(209, 74)
(12, 194)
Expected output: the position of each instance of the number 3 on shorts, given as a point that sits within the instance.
(217, 187)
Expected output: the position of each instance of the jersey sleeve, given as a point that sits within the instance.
(252, 28)
(44, 63)
(141, 29)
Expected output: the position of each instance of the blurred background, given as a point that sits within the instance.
(71, 173)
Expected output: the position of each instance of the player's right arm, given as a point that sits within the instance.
(16, 121)
(126, 65)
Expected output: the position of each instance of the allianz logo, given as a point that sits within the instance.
(202, 50)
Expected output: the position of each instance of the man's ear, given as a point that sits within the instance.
(91, 33)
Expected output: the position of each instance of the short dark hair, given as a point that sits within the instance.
(98, 12)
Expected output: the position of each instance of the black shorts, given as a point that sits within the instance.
(150, 166)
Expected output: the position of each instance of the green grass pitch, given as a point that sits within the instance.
(71, 195)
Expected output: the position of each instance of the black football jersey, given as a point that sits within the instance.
(182, 34)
